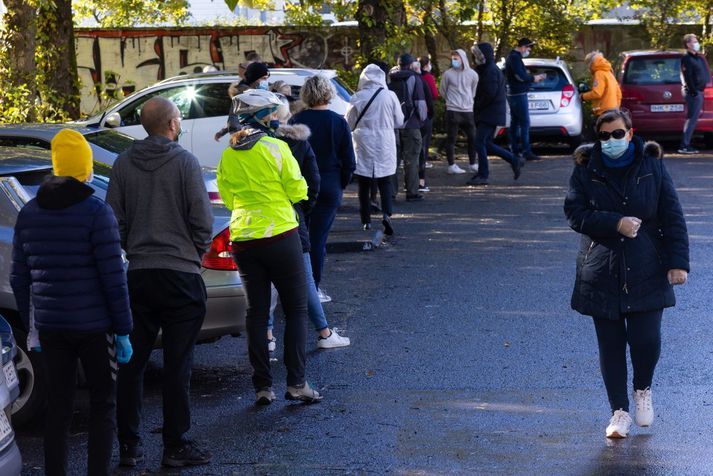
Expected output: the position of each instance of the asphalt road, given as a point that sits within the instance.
(466, 357)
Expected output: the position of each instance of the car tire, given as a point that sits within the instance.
(31, 405)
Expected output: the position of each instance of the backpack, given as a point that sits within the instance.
(405, 89)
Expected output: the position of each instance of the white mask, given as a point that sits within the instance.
(696, 46)
(526, 54)
(427, 68)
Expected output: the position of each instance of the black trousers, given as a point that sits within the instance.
(642, 332)
(96, 352)
(385, 191)
(173, 302)
(281, 263)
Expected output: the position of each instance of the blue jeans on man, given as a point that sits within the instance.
(484, 145)
(519, 125)
(694, 107)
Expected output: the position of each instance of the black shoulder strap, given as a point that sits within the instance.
(367, 107)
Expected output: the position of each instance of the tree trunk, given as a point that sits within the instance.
(18, 47)
(504, 31)
(58, 61)
(372, 17)
(430, 39)
(481, 13)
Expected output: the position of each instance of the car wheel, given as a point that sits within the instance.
(30, 406)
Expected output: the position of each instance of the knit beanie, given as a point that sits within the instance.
(255, 71)
(71, 155)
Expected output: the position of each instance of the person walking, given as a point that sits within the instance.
(696, 76)
(634, 247)
(69, 283)
(489, 110)
(426, 128)
(408, 87)
(519, 81)
(374, 112)
(606, 93)
(162, 206)
(331, 141)
(259, 180)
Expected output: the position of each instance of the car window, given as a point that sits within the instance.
(653, 71)
(32, 180)
(211, 100)
(24, 142)
(555, 78)
(112, 141)
(342, 89)
(182, 96)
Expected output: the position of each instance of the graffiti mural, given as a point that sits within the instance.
(114, 63)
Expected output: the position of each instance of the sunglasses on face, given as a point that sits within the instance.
(616, 134)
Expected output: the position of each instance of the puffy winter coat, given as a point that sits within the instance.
(605, 93)
(374, 138)
(615, 274)
(66, 262)
(490, 98)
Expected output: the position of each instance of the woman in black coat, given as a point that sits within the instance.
(634, 247)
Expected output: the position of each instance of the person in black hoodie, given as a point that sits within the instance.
(69, 282)
(489, 110)
(695, 78)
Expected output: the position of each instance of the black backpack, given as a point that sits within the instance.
(405, 89)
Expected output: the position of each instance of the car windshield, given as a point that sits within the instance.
(653, 71)
(112, 141)
(555, 78)
(342, 89)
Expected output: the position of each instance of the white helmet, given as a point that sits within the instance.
(256, 103)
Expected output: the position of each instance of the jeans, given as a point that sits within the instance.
(484, 145)
(173, 302)
(385, 191)
(694, 107)
(321, 220)
(519, 124)
(642, 331)
(96, 352)
(315, 311)
(460, 121)
(281, 263)
(408, 150)
(426, 134)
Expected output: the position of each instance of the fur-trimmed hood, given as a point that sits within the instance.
(652, 149)
(299, 132)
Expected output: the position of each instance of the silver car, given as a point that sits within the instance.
(21, 173)
(10, 458)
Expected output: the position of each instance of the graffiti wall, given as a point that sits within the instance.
(114, 63)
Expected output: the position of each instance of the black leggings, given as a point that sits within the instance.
(385, 191)
(642, 331)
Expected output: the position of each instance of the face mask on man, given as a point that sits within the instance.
(263, 84)
(696, 47)
(615, 148)
(526, 54)
(427, 68)
(455, 63)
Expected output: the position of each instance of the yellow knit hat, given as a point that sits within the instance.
(71, 155)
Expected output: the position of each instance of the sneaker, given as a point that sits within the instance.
(644, 407)
(429, 165)
(473, 168)
(388, 225)
(323, 296)
(517, 167)
(303, 393)
(130, 454)
(366, 226)
(688, 150)
(477, 180)
(423, 188)
(265, 396)
(334, 340)
(272, 344)
(188, 454)
(619, 425)
(454, 169)
(414, 198)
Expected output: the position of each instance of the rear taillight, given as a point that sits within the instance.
(708, 94)
(215, 198)
(219, 256)
(567, 95)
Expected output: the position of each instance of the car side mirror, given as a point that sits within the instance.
(113, 120)
(583, 87)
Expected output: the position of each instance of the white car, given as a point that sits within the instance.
(204, 103)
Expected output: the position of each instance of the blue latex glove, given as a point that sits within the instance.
(123, 349)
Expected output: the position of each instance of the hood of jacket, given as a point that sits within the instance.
(600, 63)
(154, 152)
(246, 138)
(488, 52)
(299, 132)
(57, 193)
(464, 60)
(585, 152)
(372, 77)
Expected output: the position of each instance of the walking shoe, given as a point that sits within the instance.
(303, 393)
(414, 198)
(423, 188)
(688, 150)
(188, 454)
(323, 296)
(366, 226)
(388, 225)
(334, 340)
(619, 425)
(473, 168)
(454, 169)
(644, 407)
(272, 344)
(130, 454)
(517, 167)
(265, 396)
(477, 180)
(532, 157)
(429, 165)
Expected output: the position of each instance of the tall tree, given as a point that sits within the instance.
(17, 61)
(129, 13)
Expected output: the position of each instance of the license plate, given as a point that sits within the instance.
(667, 108)
(5, 428)
(539, 105)
(10, 374)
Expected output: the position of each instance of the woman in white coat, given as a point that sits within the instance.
(373, 114)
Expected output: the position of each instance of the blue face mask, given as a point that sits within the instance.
(615, 148)
(263, 84)
(526, 54)
(455, 63)
(274, 124)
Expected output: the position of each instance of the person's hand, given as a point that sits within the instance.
(677, 276)
(124, 351)
(629, 226)
(217, 136)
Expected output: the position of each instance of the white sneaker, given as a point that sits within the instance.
(644, 407)
(323, 296)
(334, 340)
(454, 169)
(619, 425)
(473, 168)
(272, 344)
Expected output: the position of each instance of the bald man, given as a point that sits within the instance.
(165, 221)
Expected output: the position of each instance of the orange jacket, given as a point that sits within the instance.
(605, 93)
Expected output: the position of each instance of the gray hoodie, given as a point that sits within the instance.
(458, 86)
(161, 203)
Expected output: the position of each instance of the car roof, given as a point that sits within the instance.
(653, 53)
(233, 75)
(14, 160)
(544, 62)
(43, 131)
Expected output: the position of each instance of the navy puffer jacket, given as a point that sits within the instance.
(66, 261)
(615, 274)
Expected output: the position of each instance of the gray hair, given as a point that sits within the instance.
(688, 38)
(317, 91)
(591, 56)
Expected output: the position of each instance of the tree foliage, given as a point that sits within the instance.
(128, 13)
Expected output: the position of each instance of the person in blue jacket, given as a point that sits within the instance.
(68, 278)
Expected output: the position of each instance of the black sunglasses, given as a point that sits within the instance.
(616, 134)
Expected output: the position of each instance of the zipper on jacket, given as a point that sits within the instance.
(586, 255)
(624, 288)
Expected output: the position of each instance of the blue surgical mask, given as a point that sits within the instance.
(455, 63)
(526, 54)
(263, 84)
(615, 148)
(274, 124)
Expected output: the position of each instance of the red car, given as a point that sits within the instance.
(651, 89)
